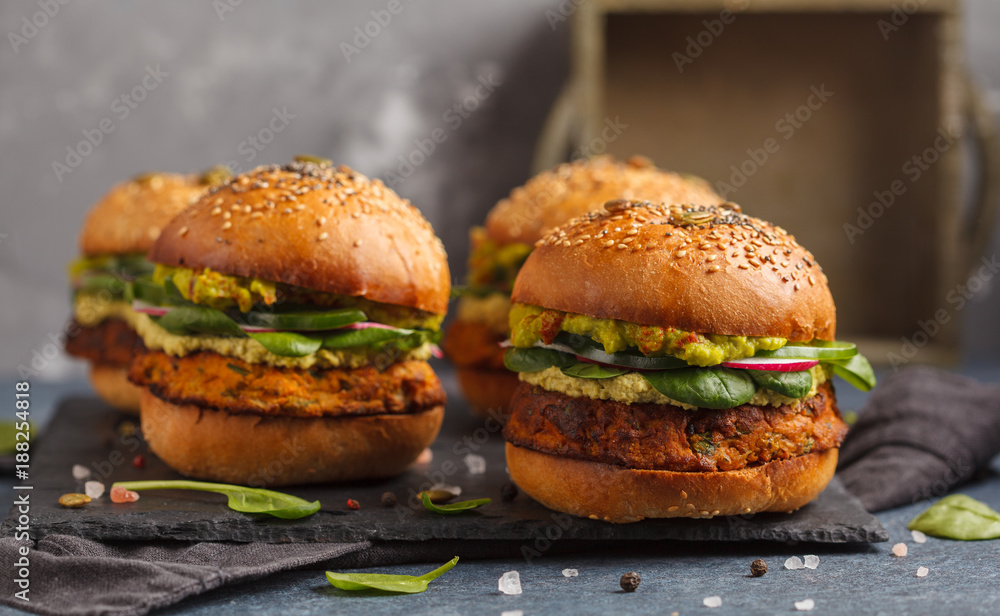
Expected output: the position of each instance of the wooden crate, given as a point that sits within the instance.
(802, 112)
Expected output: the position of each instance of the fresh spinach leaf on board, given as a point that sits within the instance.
(584, 370)
(711, 388)
(959, 517)
(242, 499)
(790, 384)
(408, 584)
(453, 508)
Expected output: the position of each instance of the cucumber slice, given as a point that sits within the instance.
(313, 320)
(818, 349)
(362, 337)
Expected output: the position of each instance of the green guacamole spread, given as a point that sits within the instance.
(494, 265)
(530, 324)
(222, 291)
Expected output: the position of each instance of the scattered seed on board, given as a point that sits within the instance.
(74, 500)
(389, 499)
(758, 567)
(630, 581)
(353, 504)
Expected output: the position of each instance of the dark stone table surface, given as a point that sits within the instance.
(964, 577)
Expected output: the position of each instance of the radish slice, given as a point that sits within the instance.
(253, 329)
(774, 365)
(150, 309)
(436, 351)
(368, 324)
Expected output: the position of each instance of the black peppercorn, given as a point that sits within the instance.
(388, 499)
(630, 581)
(508, 492)
(758, 567)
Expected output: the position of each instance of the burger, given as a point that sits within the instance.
(287, 327)
(116, 235)
(674, 361)
(499, 249)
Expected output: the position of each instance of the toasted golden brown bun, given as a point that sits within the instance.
(130, 217)
(112, 385)
(319, 227)
(616, 494)
(278, 451)
(487, 389)
(651, 264)
(572, 189)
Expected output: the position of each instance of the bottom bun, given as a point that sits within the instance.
(111, 383)
(615, 494)
(260, 451)
(487, 389)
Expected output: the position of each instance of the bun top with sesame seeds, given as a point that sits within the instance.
(553, 197)
(315, 226)
(130, 217)
(704, 269)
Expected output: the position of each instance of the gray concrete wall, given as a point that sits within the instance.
(221, 76)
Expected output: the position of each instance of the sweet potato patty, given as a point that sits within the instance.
(469, 344)
(111, 341)
(211, 380)
(664, 437)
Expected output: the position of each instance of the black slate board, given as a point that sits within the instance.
(84, 431)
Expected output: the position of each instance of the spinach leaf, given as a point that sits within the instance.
(790, 384)
(185, 320)
(242, 499)
(535, 359)
(287, 344)
(583, 370)
(959, 517)
(383, 581)
(856, 371)
(710, 388)
(453, 508)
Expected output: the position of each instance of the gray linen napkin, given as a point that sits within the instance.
(921, 433)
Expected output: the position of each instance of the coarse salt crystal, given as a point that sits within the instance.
(512, 613)
(811, 561)
(121, 495)
(918, 537)
(805, 606)
(570, 573)
(425, 456)
(93, 489)
(510, 583)
(80, 472)
(712, 601)
(475, 463)
(794, 563)
(899, 550)
(922, 571)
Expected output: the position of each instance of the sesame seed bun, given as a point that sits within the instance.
(572, 189)
(131, 216)
(621, 495)
(111, 383)
(278, 451)
(314, 226)
(705, 269)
